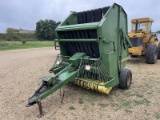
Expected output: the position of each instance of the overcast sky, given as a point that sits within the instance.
(25, 13)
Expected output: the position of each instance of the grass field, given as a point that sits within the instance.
(12, 45)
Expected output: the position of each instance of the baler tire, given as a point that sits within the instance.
(158, 51)
(151, 54)
(125, 79)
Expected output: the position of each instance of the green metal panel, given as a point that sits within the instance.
(78, 26)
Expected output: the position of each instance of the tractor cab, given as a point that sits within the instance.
(141, 25)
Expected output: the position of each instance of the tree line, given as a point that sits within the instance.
(45, 30)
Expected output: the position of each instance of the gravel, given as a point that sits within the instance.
(20, 71)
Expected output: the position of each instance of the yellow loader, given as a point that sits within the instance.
(144, 42)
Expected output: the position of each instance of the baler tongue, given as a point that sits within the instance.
(50, 85)
(65, 69)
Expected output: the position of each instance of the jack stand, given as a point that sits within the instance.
(62, 94)
(41, 114)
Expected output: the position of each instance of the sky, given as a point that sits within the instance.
(25, 13)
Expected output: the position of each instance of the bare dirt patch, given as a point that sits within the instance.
(19, 74)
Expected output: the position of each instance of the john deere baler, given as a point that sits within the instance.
(93, 53)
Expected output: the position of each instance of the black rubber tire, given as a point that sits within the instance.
(125, 78)
(158, 51)
(151, 54)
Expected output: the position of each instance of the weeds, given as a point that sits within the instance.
(91, 97)
(137, 95)
(80, 101)
(102, 105)
(157, 115)
(72, 108)
(127, 103)
(128, 111)
(145, 111)
(142, 102)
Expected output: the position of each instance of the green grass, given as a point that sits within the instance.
(72, 108)
(91, 97)
(102, 105)
(142, 102)
(13, 45)
(157, 115)
(127, 103)
(80, 101)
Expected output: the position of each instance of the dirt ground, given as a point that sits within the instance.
(20, 71)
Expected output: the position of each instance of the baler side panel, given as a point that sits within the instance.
(124, 49)
(109, 44)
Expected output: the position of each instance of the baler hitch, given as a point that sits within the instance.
(35, 97)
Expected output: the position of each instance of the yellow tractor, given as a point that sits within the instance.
(144, 42)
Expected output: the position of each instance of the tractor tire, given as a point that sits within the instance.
(125, 79)
(158, 51)
(151, 54)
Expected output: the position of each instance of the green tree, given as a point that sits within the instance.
(10, 34)
(45, 29)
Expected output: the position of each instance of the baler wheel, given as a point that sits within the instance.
(125, 79)
(158, 51)
(151, 54)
